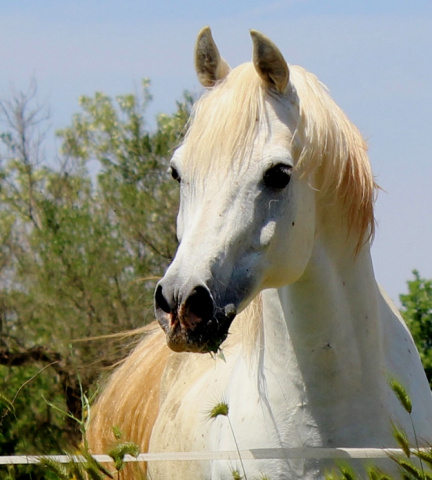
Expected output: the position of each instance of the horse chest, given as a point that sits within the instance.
(264, 411)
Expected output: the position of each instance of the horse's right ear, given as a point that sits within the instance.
(209, 65)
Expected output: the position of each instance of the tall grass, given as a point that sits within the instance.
(417, 468)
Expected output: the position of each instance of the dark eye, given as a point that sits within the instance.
(277, 176)
(175, 175)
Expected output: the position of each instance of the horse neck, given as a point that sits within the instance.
(331, 315)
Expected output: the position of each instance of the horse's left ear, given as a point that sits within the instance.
(269, 62)
(209, 65)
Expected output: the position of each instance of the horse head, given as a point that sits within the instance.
(264, 143)
(240, 197)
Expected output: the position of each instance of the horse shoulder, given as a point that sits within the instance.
(404, 365)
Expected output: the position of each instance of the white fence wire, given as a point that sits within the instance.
(254, 454)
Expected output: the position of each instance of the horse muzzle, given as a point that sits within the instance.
(192, 322)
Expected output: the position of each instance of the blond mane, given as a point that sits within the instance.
(225, 122)
(227, 119)
(334, 150)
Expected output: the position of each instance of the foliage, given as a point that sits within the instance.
(82, 237)
(417, 312)
(119, 451)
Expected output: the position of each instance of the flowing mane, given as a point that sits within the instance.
(328, 145)
(335, 150)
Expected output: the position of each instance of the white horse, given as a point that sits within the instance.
(275, 222)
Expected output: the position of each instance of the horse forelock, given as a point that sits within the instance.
(225, 122)
(227, 119)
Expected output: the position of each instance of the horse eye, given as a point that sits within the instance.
(278, 176)
(175, 175)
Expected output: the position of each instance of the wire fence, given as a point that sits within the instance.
(253, 454)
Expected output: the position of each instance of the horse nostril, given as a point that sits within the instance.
(160, 300)
(200, 303)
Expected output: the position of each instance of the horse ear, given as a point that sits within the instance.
(269, 62)
(209, 65)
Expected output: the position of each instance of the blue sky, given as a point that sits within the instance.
(374, 55)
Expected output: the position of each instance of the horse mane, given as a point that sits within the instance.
(328, 147)
(130, 399)
(336, 152)
(246, 327)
